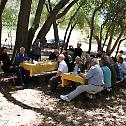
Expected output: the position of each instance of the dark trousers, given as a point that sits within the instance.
(54, 83)
(14, 69)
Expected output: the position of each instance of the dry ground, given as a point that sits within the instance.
(33, 106)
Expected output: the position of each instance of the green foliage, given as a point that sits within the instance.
(10, 14)
(10, 18)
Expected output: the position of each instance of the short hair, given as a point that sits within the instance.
(22, 48)
(89, 60)
(121, 51)
(77, 58)
(62, 56)
(94, 60)
(120, 58)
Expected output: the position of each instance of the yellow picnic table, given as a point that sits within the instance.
(40, 67)
(67, 78)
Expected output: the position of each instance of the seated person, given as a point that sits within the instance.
(7, 65)
(118, 69)
(54, 55)
(94, 76)
(53, 82)
(120, 54)
(122, 65)
(21, 56)
(78, 64)
(5, 60)
(106, 73)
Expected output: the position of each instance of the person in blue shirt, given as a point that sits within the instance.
(21, 56)
(106, 73)
(118, 69)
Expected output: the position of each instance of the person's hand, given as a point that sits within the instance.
(11, 67)
(53, 77)
(81, 74)
(1, 64)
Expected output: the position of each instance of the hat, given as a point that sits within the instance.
(89, 60)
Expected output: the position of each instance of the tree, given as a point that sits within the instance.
(51, 18)
(22, 25)
(2, 6)
(35, 24)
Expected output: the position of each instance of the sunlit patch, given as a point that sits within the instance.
(35, 98)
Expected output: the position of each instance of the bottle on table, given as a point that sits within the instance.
(78, 71)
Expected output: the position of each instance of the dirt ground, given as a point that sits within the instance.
(32, 105)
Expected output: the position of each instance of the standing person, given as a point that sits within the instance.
(36, 50)
(63, 68)
(94, 76)
(77, 51)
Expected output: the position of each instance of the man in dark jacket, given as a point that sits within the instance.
(77, 51)
(7, 65)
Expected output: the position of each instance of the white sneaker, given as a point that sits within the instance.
(109, 89)
(65, 98)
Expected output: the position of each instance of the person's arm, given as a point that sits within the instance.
(26, 57)
(58, 74)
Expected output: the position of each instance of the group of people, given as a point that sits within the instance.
(101, 69)
(9, 66)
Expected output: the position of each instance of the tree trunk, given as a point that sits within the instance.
(55, 28)
(106, 36)
(51, 18)
(35, 24)
(56, 34)
(71, 19)
(110, 39)
(115, 44)
(68, 38)
(92, 23)
(119, 46)
(22, 25)
(2, 6)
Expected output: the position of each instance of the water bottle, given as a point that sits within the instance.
(75, 69)
(78, 71)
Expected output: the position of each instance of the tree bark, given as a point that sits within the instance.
(55, 27)
(110, 39)
(51, 18)
(35, 24)
(92, 23)
(69, 26)
(115, 44)
(22, 25)
(68, 38)
(2, 6)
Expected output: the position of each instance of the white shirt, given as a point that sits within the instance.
(63, 67)
(95, 75)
